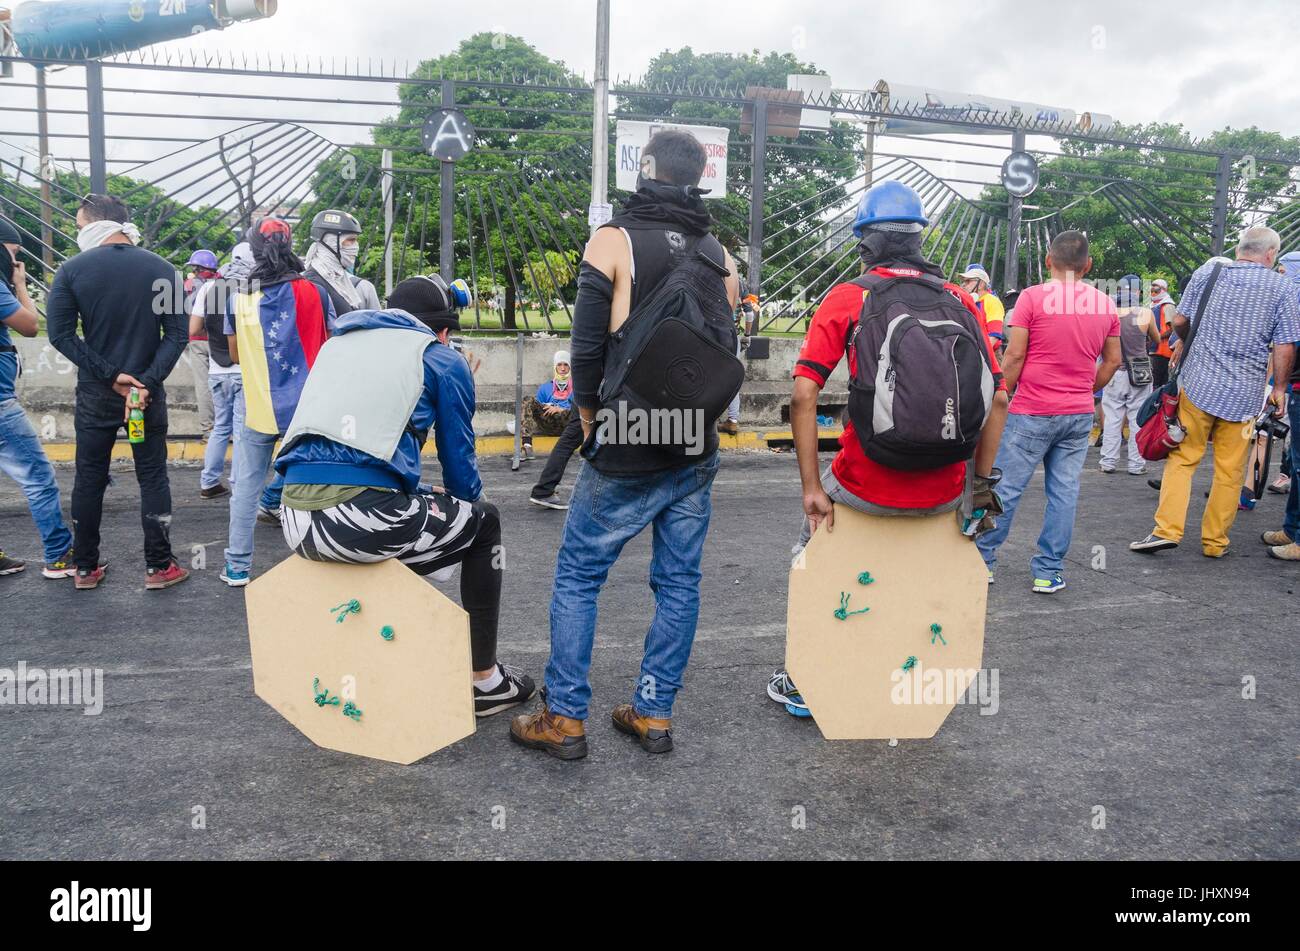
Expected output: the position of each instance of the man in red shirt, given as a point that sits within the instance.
(889, 225)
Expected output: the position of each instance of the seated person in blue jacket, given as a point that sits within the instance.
(547, 413)
(351, 463)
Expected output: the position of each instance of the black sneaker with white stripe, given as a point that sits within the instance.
(516, 687)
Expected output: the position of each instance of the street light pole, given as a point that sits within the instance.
(599, 211)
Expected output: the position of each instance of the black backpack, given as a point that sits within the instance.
(924, 385)
(677, 349)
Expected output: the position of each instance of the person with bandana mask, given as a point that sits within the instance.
(275, 326)
(21, 456)
(1162, 305)
(130, 304)
(548, 412)
(332, 258)
(629, 485)
(544, 492)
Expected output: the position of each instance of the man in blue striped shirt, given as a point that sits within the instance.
(1224, 380)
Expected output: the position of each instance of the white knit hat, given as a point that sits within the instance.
(561, 356)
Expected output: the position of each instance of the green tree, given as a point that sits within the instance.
(1149, 210)
(516, 191)
(170, 229)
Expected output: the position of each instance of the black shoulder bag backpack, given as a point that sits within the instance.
(676, 351)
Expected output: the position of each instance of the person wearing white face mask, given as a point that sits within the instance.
(129, 306)
(331, 259)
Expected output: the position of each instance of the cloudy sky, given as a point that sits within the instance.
(1204, 65)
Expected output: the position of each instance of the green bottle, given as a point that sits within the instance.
(135, 420)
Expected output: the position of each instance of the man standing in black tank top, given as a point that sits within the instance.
(630, 483)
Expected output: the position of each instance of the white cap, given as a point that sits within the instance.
(1161, 283)
(561, 356)
(977, 272)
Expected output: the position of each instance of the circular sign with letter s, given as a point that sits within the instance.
(1020, 174)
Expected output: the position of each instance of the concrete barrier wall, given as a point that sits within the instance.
(47, 385)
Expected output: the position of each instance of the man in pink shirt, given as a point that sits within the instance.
(1055, 335)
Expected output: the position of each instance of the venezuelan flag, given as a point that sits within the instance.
(280, 329)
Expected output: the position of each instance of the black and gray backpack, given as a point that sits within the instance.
(924, 385)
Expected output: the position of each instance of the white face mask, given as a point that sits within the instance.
(348, 255)
(97, 232)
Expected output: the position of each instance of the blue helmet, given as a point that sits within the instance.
(204, 259)
(890, 202)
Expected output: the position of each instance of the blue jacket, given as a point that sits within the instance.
(546, 394)
(446, 407)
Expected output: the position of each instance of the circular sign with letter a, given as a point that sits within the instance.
(448, 135)
(1020, 174)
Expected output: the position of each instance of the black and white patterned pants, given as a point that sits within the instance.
(425, 533)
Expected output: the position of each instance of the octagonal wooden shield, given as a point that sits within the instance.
(322, 659)
(897, 668)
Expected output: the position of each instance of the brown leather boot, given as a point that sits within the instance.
(560, 736)
(655, 734)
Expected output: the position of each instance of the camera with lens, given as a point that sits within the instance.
(1271, 426)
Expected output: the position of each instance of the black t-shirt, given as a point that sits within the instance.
(130, 304)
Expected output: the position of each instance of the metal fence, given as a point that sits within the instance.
(200, 146)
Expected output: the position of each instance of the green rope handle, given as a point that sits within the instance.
(909, 663)
(348, 607)
(386, 632)
(937, 631)
(843, 613)
(352, 712)
(865, 578)
(323, 698)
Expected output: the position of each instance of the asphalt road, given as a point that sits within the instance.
(1123, 692)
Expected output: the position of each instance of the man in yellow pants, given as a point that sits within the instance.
(1244, 308)
(1231, 445)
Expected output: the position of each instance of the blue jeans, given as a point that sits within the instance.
(1060, 445)
(1292, 524)
(24, 461)
(227, 391)
(605, 513)
(253, 454)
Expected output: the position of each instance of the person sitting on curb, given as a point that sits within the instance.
(351, 464)
(544, 492)
(551, 409)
